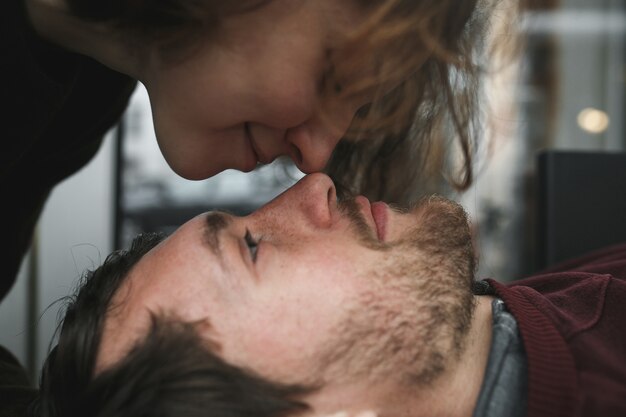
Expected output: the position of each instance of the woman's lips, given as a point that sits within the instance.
(258, 153)
(253, 159)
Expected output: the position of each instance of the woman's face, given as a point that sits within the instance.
(252, 92)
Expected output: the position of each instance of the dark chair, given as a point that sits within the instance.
(581, 203)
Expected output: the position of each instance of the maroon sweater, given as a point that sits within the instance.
(572, 321)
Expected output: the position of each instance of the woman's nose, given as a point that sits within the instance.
(313, 142)
(312, 201)
(310, 150)
(311, 123)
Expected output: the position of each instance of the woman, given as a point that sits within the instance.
(358, 88)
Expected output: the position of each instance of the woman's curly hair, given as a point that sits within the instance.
(423, 61)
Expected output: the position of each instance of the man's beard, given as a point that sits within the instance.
(413, 321)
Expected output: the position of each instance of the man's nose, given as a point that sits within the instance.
(312, 200)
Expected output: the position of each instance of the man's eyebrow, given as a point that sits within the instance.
(214, 223)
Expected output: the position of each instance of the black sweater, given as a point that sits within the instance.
(58, 107)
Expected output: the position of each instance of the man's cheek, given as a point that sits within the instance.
(279, 343)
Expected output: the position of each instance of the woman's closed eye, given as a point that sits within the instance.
(252, 245)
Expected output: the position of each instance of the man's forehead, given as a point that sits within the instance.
(167, 260)
(141, 294)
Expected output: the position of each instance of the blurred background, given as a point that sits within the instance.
(554, 167)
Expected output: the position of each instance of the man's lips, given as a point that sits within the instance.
(379, 213)
(375, 213)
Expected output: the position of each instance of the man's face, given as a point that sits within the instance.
(308, 290)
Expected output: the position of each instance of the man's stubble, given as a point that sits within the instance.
(411, 321)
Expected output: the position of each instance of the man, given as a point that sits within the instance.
(312, 306)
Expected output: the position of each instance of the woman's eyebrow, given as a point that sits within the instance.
(214, 223)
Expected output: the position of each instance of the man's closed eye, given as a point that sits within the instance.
(252, 245)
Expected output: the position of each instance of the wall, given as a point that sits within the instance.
(75, 232)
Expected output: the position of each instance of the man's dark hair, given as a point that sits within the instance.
(171, 372)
